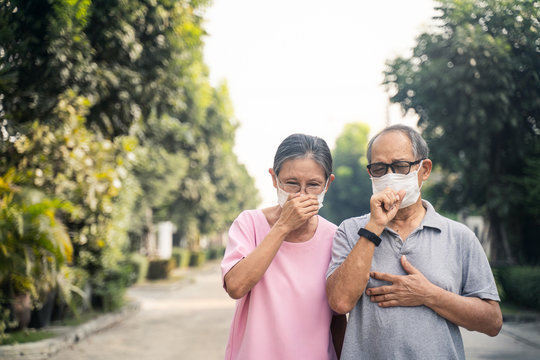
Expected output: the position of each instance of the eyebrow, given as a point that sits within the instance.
(293, 178)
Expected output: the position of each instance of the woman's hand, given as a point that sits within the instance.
(298, 209)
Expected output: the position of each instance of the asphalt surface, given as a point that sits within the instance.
(190, 318)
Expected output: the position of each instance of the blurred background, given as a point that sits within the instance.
(134, 132)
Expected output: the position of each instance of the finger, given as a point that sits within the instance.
(380, 290)
(401, 195)
(383, 298)
(389, 200)
(390, 303)
(407, 266)
(383, 276)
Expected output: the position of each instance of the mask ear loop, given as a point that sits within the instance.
(326, 185)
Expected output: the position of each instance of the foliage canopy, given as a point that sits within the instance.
(474, 82)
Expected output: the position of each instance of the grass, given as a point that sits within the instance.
(26, 336)
(33, 335)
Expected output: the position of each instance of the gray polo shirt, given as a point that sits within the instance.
(449, 255)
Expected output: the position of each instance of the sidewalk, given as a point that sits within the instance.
(190, 318)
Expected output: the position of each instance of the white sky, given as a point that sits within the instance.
(306, 66)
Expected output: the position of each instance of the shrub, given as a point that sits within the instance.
(215, 253)
(521, 285)
(139, 264)
(159, 269)
(181, 257)
(197, 258)
(109, 290)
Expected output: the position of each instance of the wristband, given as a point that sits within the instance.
(370, 236)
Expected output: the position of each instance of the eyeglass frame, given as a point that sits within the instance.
(300, 190)
(391, 166)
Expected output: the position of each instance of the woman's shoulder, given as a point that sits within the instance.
(327, 224)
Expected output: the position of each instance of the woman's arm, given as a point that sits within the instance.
(247, 272)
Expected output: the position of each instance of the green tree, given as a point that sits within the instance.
(351, 190)
(474, 81)
(43, 53)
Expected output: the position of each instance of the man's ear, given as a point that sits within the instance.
(427, 165)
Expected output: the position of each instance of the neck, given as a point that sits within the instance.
(410, 214)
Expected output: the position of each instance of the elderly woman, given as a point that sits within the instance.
(276, 260)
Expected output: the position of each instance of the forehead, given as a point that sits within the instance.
(392, 146)
(301, 168)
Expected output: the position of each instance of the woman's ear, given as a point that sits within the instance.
(273, 174)
(331, 178)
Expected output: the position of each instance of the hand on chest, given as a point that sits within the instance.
(440, 266)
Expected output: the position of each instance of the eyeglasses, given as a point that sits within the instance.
(311, 189)
(399, 167)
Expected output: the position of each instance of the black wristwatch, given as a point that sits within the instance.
(370, 236)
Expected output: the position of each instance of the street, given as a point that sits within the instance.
(189, 319)
(185, 320)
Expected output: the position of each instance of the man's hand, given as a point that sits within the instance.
(406, 290)
(384, 206)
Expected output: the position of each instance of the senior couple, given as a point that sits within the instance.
(407, 277)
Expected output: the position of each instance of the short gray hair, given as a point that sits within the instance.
(299, 146)
(420, 148)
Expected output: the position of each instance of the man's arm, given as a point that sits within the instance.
(414, 289)
(348, 282)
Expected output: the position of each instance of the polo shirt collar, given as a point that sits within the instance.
(432, 218)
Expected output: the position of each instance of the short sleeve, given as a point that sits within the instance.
(478, 278)
(341, 247)
(241, 242)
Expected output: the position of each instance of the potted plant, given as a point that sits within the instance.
(33, 246)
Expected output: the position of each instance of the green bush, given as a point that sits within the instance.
(139, 264)
(159, 269)
(215, 253)
(197, 258)
(520, 284)
(181, 257)
(109, 289)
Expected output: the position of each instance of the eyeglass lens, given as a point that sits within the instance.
(398, 167)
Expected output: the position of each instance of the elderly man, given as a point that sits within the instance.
(408, 276)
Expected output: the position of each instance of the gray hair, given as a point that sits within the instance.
(420, 148)
(299, 146)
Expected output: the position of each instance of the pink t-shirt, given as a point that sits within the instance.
(286, 314)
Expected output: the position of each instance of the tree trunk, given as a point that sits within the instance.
(150, 247)
(501, 252)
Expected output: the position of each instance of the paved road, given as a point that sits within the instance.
(190, 320)
(185, 320)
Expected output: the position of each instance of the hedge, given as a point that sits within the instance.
(139, 264)
(197, 258)
(520, 285)
(181, 257)
(159, 269)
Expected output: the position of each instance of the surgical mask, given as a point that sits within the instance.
(397, 182)
(282, 195)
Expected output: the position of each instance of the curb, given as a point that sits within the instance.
(520, 318)
(45, 348)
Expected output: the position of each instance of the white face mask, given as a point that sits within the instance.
(282, 195)
(397, 182)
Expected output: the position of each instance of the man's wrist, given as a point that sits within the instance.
(374, 228)
(374, 238)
